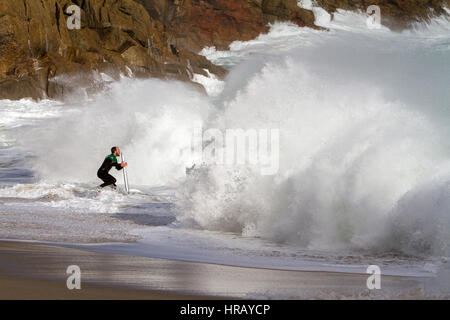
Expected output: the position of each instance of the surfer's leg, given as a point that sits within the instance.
(108, 180)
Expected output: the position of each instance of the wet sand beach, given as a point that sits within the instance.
(38, 271)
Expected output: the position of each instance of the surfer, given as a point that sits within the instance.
(109, 162)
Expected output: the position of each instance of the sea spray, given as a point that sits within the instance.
(152, 120)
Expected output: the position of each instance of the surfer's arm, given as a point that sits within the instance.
(108, 164)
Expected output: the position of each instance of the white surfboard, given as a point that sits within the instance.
(125, 175)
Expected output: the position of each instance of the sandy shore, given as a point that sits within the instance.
(38, 271)
(15, 288)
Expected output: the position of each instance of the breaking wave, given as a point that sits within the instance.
(364, 155)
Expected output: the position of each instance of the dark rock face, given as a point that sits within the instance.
(37, 47)
(194, 24)
(151, 38)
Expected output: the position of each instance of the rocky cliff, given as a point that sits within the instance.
(194, 24)
(41, 57)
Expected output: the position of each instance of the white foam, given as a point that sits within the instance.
(18, 113)
(305, 4)
(77, 213)
(211, 83)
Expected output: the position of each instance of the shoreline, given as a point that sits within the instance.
(96, 249)
(38, 271)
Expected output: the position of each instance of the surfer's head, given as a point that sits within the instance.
(115, 151)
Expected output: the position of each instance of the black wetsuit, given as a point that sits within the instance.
(103, 172)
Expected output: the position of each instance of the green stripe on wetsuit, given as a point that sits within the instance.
(112, 157)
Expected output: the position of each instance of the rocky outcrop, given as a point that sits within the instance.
(395, 14)
(157, 38)
(194, 24)
(38, 51)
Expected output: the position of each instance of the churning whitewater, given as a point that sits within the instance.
(364, 155)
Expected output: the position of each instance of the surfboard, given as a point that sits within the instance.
(125, 175)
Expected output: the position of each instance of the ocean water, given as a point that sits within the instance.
(364, 157)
